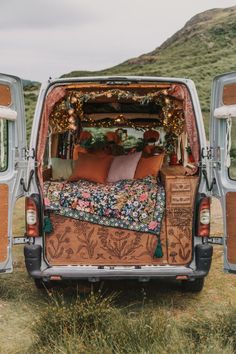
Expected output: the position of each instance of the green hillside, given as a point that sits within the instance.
(31, 90)
(203, 48)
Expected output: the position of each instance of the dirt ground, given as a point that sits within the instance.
(21, 302)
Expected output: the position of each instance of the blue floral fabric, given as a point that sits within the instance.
(131, 204)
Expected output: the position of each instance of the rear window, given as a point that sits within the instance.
(3, 145)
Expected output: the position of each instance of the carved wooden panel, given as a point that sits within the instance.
(180, 186)
(180, 196)
(3, 222)
(231, 229)
(179, 216)
(180, 199)
(78, 242)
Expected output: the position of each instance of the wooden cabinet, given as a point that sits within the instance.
(180, 196)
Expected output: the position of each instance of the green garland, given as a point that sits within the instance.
(69, 111)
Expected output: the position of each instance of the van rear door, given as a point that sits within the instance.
(223, 142)
(12, 164)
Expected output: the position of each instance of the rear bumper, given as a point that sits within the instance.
(203, 254)
(94, 274)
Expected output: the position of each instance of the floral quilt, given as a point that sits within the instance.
(131, 204)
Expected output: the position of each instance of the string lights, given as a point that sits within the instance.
(69, 112)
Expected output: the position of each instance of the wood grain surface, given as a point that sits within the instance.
(231, 229)
(3, 222)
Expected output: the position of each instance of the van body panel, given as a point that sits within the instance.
(124, 81)
(10, 179)
(12, 160)
(224, 94)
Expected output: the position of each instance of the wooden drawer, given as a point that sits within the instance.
(180, 199)
(180, 186)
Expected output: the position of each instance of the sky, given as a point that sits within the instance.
(42, 38)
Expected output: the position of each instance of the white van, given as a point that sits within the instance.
(118, 178)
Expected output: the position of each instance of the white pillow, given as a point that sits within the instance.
(61, 168)
(123, 167)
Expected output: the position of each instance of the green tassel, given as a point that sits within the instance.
(48, 228)
(158, 252)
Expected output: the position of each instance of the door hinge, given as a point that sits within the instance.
(211, 153)
(207, 152)
(215, 240)
(21, 240)
(29, 154)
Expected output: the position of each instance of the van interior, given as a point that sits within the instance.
(118, 174)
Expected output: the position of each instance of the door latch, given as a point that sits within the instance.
(22, 182)
(208, 184)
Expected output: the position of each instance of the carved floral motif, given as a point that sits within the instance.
(80, 242)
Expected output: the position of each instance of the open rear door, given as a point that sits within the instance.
(223, 141)
(12, 165)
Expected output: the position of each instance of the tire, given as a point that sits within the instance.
(194, 286)
(42, 285)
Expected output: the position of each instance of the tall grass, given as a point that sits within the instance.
(97, 325)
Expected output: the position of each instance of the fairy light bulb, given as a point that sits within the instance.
(71, 111)
(73, 99)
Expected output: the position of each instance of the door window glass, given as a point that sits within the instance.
(232, 168)
(3, 145)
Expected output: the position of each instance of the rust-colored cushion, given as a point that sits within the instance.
(77, 150)
(149, 166)
(91, 167)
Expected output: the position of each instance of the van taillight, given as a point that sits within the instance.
(204, 218)
(32, 217)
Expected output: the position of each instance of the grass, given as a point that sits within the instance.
(98, 325)
(117, 317)
(102, 325)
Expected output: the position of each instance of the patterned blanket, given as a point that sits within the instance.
(131, 204)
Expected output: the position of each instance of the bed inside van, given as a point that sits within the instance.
(118, 174)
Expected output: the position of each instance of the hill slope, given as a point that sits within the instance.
(203, 48)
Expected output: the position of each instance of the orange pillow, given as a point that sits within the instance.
(149, 166)
(77, 150)
(91, 167)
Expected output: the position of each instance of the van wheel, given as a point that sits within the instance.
(193, 286)
(42, 285)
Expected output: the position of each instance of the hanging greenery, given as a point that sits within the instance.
(68, 113)
(170, 142)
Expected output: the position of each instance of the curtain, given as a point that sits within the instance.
(53, 97)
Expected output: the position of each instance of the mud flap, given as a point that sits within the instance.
(203, 257)
(32, 258)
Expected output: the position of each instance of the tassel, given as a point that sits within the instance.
(48, 228)
(158, 252)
